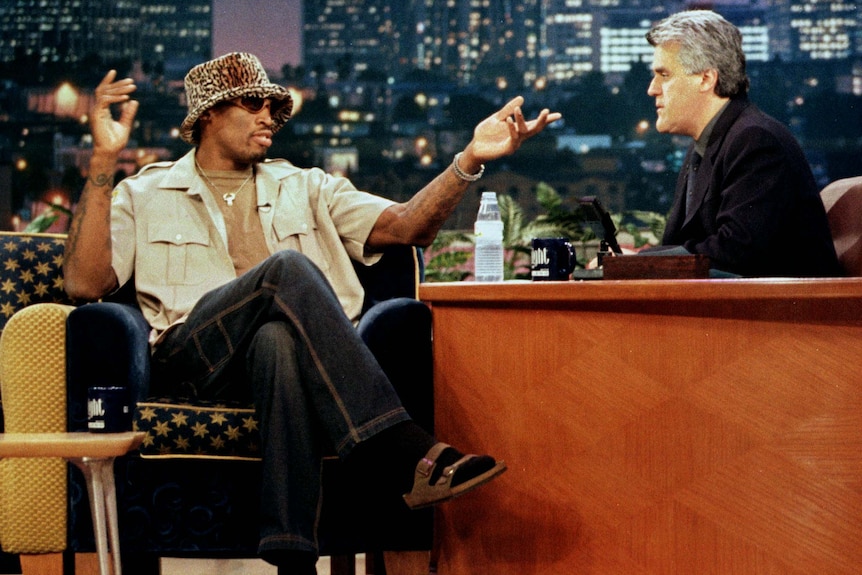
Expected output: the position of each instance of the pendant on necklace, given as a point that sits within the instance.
(229, 198)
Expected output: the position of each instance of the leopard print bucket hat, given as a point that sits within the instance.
(230, 76)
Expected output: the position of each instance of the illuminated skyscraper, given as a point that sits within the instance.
(349, 37)
(823, 30)
(623, 40)
(175, 33)
(570, 31)
(557, 40)
(481, 40)
(46, 33)
(584, 36)
(464, 40)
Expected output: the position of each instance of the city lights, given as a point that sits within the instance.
(380, 80)
(66, 100)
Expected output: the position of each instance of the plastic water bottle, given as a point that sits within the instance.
(488, 256)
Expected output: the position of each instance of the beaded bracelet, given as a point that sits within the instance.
(462, 174)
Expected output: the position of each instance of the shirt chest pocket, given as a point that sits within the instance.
(295, 234)
(180, 254)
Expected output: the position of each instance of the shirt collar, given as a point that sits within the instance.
(701, 143)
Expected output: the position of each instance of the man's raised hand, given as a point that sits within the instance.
(110, 135)
(503, 132)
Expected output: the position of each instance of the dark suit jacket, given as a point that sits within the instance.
(758, 209)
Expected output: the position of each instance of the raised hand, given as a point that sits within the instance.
(110, 135)
(503, 132)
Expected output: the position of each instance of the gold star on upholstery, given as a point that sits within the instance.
(200, 429)
(8, 286)
(148, 440)
(28, 255)
(43, 268)
(11, 264)
(59, 283)
(161, 428)
(44, 247)
(249, 423)
(147, 413)
(10, 246)
(23, 298)
(217, 442)
(7, 309)
(233, 433)
(40, 289)
(218, 418)
(182, 443)
(58, 260)
(180, 419)
(165, 449)
(26, 276)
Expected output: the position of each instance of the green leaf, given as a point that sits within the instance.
(47, 218)
(41, 223)
(548, 197)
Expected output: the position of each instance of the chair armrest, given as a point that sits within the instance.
(397, 274)
(107, 344)
(398, 333)
(33, 379)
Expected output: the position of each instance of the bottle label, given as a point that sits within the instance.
(488, 261)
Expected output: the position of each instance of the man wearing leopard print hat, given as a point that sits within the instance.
(243, 266)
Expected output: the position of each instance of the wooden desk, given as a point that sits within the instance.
(653, 427)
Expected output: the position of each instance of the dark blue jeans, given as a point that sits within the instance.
(278, 336)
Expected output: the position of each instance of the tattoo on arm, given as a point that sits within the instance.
(101, 180)
(94, 182)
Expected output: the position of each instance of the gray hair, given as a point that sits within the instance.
(707, 41)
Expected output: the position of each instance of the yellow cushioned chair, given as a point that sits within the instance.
(33, 311)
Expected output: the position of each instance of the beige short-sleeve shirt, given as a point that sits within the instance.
(168, 231)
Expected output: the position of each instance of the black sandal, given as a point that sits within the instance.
(426, 494)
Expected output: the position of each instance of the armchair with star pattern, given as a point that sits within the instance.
(191, 490)
(30, 271)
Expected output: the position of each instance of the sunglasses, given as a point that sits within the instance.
(254, 104)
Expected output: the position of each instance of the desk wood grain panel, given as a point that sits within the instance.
(706, 434)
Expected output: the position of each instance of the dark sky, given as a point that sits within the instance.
(270, 29)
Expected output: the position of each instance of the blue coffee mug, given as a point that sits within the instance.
(552, 259)
(108, 410)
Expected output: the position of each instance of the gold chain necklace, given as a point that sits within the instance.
(227, 197)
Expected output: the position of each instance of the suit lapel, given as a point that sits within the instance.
(701, 184)
(676, 218)
(703, 176)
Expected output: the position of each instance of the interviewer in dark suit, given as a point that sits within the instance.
(753, 206)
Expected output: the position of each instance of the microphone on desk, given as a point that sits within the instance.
(599, 220)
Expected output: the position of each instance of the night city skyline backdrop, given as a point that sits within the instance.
(272, 30)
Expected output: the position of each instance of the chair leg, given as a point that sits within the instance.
(342, 565)
(42, 564)
(86, 564)
(407, 562)
(99, 473)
